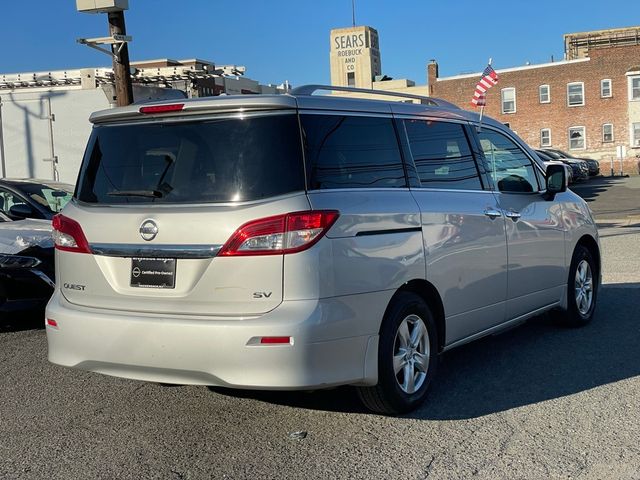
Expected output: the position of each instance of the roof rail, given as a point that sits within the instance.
(311, 89)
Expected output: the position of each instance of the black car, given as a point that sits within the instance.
(31, 198)
(594, 165)
(580, 168)
(548, 159)
(26, 265)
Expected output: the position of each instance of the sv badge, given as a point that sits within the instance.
(262, 294)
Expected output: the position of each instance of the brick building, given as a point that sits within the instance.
(588, 104)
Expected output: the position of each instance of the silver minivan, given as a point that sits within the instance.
(306, 241)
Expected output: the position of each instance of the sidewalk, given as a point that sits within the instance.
(615, 202)
(620, 240)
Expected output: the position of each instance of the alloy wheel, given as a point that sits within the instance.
(584, 287)
(411, 354)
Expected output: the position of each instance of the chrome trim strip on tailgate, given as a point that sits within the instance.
(154, 251)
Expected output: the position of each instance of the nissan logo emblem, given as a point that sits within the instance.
(148, 230)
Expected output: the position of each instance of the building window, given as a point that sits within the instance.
(351, 79)
(545, 94)
(507, 124)
(508, 100)
(635, 131)
(634, 88)
(576, 138)
(605, 88)
(545, 137)
(575, 94)
(607, 132)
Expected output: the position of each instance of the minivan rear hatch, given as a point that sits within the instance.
(157, 199)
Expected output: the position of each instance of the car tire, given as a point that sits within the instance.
(407, 357)
(582, 290)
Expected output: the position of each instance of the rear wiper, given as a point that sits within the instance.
(137, 193)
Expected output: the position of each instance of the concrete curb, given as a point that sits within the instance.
(618, 222)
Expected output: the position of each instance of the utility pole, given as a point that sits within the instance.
(121, 66)
(353, 13)
(2, 158)
(117, 40)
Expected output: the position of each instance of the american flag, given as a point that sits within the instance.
(489, 79)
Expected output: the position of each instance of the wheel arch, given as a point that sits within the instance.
(430, 295)
(591, 244)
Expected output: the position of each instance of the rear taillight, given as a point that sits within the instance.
(288, 233)
(68, 235)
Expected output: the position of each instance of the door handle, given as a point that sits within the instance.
(492, 213)
(512, 215)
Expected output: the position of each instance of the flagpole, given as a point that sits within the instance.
(485, 101)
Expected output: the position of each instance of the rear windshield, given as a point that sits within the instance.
(224, 160)
(52, 197)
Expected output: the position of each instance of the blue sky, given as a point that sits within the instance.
(289, 40)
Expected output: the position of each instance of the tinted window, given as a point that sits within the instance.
(193, 162)
(52, 197)
(8, 200)
(442, 155)
(544, 156)
(509, 166)
(351, 152)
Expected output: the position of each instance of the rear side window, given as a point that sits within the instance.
(351, 152)
(224, 160)
(442, 155)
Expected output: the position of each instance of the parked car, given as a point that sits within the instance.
(548, 160)
(580, 168)
(26, 265)
(594, 165)
(32, 198)
(304, 241)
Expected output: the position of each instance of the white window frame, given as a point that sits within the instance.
(542, 144)
(502, 92)
(548, 100)
(584, 137)
(612, 135)
(568, 97)
(631, 79)
(602, 82)
(635, 141)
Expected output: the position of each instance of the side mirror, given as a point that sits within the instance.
(21, 210)
(556, 180)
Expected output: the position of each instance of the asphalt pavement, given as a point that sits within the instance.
(539, 401)
(614, 199)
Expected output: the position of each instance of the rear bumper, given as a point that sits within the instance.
(200, 351)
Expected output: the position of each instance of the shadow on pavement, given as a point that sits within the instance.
(535, 362)
(16, 322)
(591, 189)
(611, 197)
